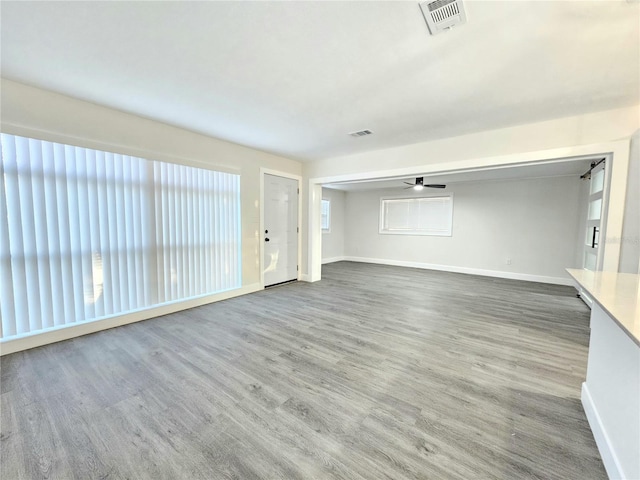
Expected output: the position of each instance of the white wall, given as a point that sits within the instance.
(563, 132)
(333, 241)
(630, 248)
(37, 113)
(558, 138)
(610, 395)
(532, 222)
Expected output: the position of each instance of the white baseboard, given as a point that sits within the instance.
(67, 332)
(609, 458)
(333, 259)
(304, 277)
(471, 271)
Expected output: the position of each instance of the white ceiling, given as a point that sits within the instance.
(294, 78)
(568, 167)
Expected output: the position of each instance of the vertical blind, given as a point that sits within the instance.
(86, 234)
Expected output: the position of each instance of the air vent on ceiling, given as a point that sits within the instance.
(361, 133)
(441, 15)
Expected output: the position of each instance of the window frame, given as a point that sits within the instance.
(427, 233)
(102, 180)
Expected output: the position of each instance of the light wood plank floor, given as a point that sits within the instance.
(374, 372)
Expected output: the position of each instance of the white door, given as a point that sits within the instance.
(280, 234)
(592, 254)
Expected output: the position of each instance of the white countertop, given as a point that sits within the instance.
(617, 293)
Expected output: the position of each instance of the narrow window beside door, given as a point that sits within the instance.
(326, 215)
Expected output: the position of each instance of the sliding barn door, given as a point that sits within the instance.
(592, 259)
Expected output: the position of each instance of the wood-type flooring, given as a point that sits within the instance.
(375, 372)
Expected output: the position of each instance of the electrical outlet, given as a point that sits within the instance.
(508, 261)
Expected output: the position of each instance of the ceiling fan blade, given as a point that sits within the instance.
(407, 183)
(407, 188)
(435, 185)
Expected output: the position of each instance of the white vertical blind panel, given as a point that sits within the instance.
(64, 236)
(230, 258)
(238, 227)
(93, 287)
(128, 244)
(237, 231)
(227, 230)
(178, 227)
(41, 236)
(28, 233)
(137, 209)
(53, 233)
(213, 235)
(7, 302)
(217, 234)
(85, 254)
(166, 234)
(156, 270)
(221, 236)
(86, 234)
(183, 236)
(161, 231)
(72, 236)
(121, 235)
(186, 281)
(224, 231)
(103, 256)
(112, 284)
(207, 231)
(191, 271)
(197, 223)
(17, 252)
(173, 229)
(186, 221)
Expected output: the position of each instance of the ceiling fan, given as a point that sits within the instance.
(419, 185)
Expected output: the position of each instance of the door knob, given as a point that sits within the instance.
(266, 239)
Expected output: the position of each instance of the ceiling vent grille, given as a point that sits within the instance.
(442, 15)
(361, 133)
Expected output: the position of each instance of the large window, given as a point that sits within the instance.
(417, 215)
(326, 215)
(86, 234)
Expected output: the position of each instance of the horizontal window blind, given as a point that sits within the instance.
(86, 234)
(417, 216)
